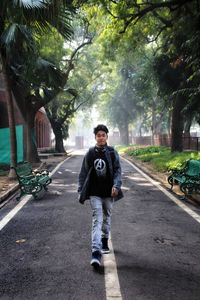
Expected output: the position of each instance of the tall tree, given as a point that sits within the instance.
(11, 121)
(18, 21)
(60, 113)
(62, 108)
(164, 23)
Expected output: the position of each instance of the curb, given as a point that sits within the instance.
(193, 199)
(9, 192)
(148, 171)
(15, 187)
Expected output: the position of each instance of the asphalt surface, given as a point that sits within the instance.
(45, 248)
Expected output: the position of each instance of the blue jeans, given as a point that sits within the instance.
(101, 220)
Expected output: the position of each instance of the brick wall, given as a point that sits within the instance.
(42, 129)
(42, 125)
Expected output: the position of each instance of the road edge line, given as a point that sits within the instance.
(112, 285)
(188, 210)
(21, 204)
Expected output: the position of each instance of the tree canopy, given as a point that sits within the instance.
(138, 61)
(151, 44)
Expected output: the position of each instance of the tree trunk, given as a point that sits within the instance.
(11, 120)
(177, 124)
(153, 120)
(188, 124)
(59, 147)
(169, 123)
(31, 147)
(57, 130)
(124, 134)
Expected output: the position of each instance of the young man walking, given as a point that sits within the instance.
(100, 182)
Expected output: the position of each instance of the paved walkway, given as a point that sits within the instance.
(45, 246)
(7, 187)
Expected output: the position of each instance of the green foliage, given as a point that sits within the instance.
(130, 90)
(137, 151)
(155, 39)
(168, 77)
(37, 17)
(161, 158)
(24, 25)
(81, 80)
(51, 47)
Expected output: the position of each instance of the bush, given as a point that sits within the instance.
(137, 151)
(161, 158)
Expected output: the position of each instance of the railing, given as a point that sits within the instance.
(189, 143)
(192, 143)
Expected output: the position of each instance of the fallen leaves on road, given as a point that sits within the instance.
(20, 241)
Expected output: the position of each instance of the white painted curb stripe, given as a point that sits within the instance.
(13, 212)
(59, 165)
(111, 277)
(17, 208)
(188, 210)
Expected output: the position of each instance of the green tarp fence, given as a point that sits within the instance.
(33, 136)
(5, 144)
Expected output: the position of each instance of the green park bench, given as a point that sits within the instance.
(31, 181)
(188, 177)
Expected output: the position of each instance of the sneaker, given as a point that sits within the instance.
(105, 249)
(96, 259)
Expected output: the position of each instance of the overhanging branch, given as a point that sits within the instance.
(145, 8)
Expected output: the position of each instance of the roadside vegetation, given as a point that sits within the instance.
(161, 158)
(134, 62)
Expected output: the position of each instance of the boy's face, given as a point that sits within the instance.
(101, 138)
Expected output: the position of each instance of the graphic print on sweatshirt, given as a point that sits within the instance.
(100, 167)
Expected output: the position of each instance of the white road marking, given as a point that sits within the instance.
(58, 166)
(188, 210)
(14, 211)
(17, 208)
(111, 277)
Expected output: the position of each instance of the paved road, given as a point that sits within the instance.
(45, 248)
